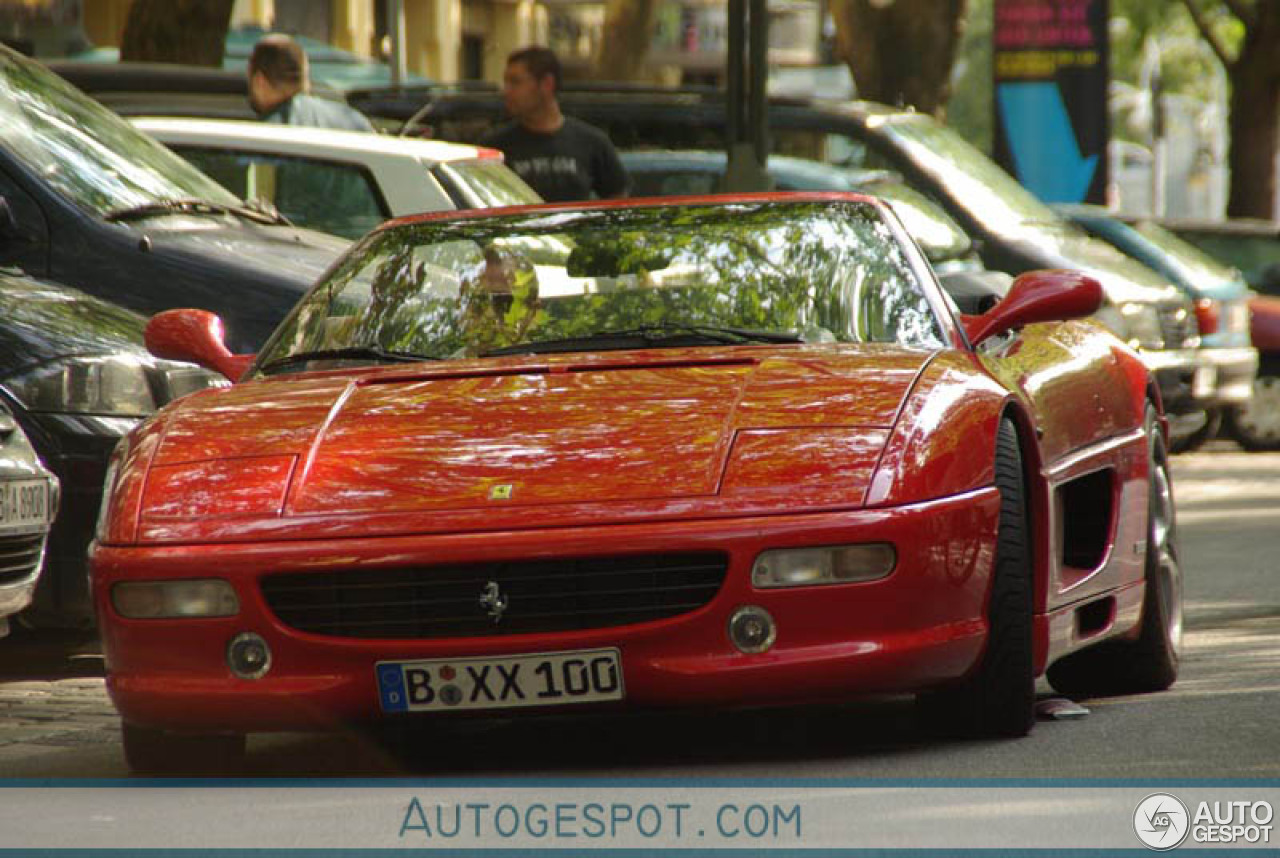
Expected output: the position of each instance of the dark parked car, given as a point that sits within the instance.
(166, 89)
(1015, 231)
(28, 503)
(87, 200)
(1220, 294)
(76, 377)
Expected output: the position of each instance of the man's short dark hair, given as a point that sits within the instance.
(281, 59)
(539, 61)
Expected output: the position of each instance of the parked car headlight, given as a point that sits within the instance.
(119, 385)
(1143, 324)
(1138, 324)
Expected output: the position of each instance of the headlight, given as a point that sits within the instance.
(154, 600)
(119, 385)
(1142, 325)
(808, 567)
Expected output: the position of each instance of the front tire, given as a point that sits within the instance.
(1149, 663)
(1205, 427)
(148, 750)
(998, 699)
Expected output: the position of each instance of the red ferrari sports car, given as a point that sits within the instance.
(708, 451)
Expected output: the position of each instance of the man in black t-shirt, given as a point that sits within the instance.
(562, 158)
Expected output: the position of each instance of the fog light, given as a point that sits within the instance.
(837, 564)
(248, 656)
(155, 600)
(751, 629)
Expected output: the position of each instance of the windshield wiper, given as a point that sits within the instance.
(668, 335)
(193, 206)
(348, 353)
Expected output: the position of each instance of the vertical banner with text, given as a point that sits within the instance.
(1050, 70)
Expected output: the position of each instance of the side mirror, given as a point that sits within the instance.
(194, 336)
(1038, 296)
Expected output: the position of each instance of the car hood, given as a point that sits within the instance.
(498, 437)
(285, 253)
(42, 321)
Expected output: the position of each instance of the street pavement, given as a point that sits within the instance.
(52, 694)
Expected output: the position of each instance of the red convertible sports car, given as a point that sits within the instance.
(682, 452)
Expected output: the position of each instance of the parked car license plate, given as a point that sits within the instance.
(24, 503)
(540, 679)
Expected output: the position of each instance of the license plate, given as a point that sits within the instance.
(541, 679)
(24, 503)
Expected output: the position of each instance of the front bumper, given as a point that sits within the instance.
(922, 626)
(18, 588)
(1186, 381)
(1227, 377)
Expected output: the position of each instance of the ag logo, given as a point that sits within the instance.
(1161, 821)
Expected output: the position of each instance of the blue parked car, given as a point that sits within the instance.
(1220, 295)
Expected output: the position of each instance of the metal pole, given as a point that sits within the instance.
(746, 99)
(735, 85)
(758, 67)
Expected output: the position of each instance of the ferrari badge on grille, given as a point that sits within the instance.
(493, 601)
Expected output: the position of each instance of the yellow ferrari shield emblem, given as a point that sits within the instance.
(501, 491)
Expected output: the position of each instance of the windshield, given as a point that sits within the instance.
(970, 176)
(485, 184)
(84, 151)
(613, 278)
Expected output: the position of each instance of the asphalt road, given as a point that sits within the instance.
(1219, 721)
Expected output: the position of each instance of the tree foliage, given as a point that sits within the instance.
(900, 52)
(628, 30)
(190, 32)
(1253, 69)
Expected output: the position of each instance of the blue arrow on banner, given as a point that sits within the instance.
(1043, 144)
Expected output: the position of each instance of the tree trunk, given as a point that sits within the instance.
(628, 29)
(190, 32)
(1255, 116)
(900, 51)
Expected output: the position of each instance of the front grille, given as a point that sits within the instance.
(538, 596)
(1177, 327)
(20, 556)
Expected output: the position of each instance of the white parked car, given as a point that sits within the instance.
(28, 503)
(342, 182)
